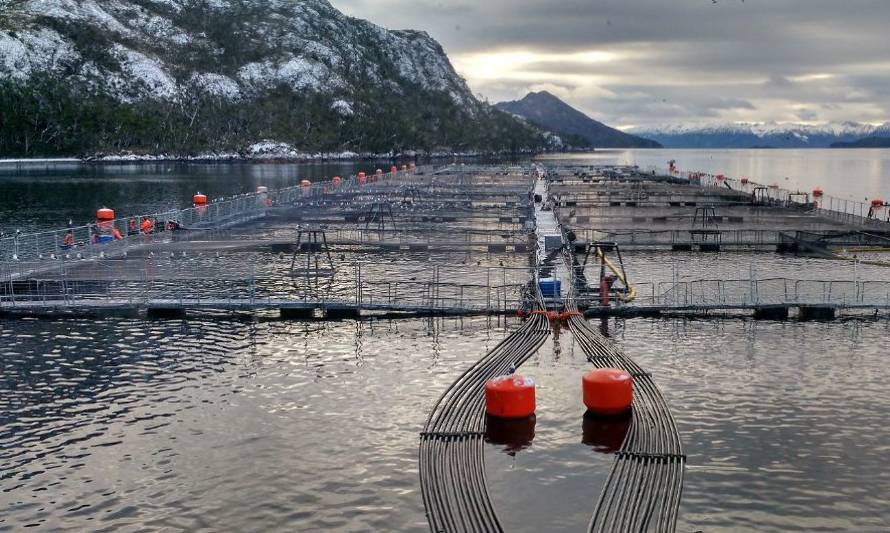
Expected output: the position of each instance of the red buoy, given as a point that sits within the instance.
(105, 214)
(607, 391)
(199, 199)
(510, 396)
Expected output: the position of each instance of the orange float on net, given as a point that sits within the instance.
(510, 396)
(607, 391)
(199, 199)
(105, 214)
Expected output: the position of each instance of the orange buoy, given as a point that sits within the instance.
(510, 396)
(305, 183)
(817, 193)
(105, 214)
(607, 391)
(199, 199)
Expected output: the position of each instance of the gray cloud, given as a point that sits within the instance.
(637, 62)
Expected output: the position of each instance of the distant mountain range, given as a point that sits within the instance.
(761, 135)
(868, 142)
(549, 112)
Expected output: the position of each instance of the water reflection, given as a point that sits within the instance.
(513, 434)
(605, 434)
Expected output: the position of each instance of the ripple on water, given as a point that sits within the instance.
(283, 425)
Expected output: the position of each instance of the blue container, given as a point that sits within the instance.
(550, 287)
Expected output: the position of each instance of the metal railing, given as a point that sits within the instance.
(82, 241)
(742, 293)
(194, 283)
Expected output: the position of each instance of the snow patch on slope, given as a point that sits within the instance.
(27, 52)
(147, 71)
(216, 85)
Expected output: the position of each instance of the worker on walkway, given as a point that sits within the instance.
(147, 225)
(68, 239)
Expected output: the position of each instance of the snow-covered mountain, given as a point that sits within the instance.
(191, 57)
(760, 135)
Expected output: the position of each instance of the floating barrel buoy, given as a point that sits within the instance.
(105, 214)
(607, 391)
(514, 434)
(510, 396)
(817, 193)
(199, 199)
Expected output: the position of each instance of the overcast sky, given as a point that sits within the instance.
(643, 62)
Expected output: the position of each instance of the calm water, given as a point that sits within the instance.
(40, 196)
(256, 425)
(47, 196)
(846, 174)
(260, 426)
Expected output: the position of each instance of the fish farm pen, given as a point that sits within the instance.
(552, 245)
